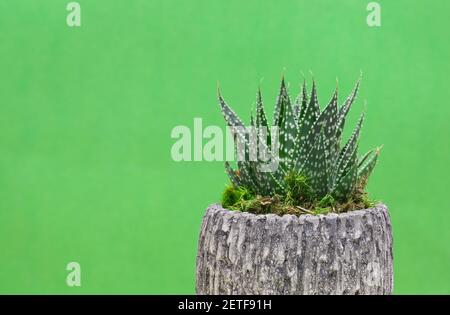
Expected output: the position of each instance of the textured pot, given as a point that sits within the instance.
(244, 253)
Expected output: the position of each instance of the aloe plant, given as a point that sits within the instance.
(309, 143)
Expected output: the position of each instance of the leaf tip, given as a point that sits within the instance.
(283, 82)
(218, 89)
(378, 150)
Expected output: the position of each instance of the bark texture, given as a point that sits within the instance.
(244, 253)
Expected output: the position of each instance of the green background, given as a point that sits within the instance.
(86, 114)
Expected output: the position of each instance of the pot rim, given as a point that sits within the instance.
(379, 207)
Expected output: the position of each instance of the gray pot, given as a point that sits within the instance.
(244, 253)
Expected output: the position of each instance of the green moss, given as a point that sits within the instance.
(326, 202)
(320, 210)
(298, 199)
(236, 197)
(229, 196)
(368, 203)
(297, 188)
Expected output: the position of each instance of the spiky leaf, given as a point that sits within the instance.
(233, 121)
(312, 112)
(238, 129)
(346, 154)
(279, 106)
(364, 158)
(261, 119)
(234, 178)
(297, 106)
(367, 165)
(303, 102)
(328, 120)
(346, 184)
(345, 108)
(288, 134)
(284, 119)
(230, 116)
(315, 167)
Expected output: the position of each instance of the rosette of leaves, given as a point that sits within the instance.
(309, 144)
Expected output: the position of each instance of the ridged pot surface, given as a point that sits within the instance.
(244, 253)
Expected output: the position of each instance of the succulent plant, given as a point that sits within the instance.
(309, 143)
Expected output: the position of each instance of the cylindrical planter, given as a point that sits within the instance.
(244, 253)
